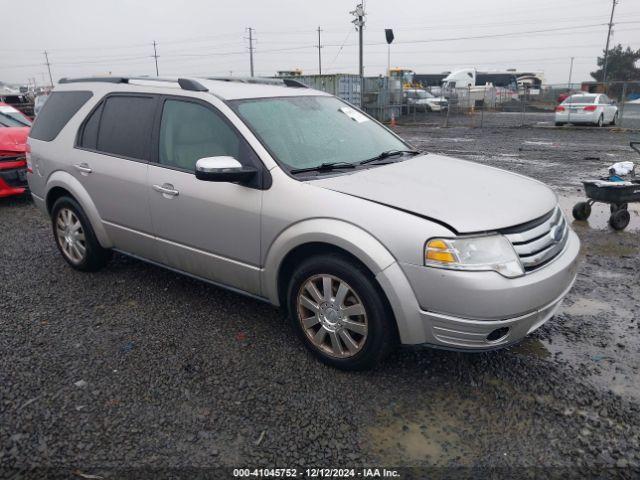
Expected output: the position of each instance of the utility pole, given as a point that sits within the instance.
(155, 55)
(251, 49)
(319, 54)
(606, 49)
(46, 57)
(359, 23)
(570, 74)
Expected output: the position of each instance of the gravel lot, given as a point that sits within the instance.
(139, 367)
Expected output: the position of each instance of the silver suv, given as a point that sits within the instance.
(297, 198)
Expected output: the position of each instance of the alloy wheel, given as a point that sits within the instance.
(332, 316)
(70, 236)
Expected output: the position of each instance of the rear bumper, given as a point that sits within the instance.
(577, 117)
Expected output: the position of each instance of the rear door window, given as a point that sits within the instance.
(125, 126)
(56, 113)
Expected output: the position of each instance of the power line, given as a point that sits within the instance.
(209, 38)
(344, 42)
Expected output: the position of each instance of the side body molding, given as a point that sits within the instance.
(339, 233)
(62, 179)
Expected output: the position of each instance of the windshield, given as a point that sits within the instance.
(10, 117)
(580, 99)
(303, 132)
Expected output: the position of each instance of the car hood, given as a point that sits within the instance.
(13, 139)
(465, 196)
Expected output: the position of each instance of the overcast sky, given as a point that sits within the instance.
(209, 37)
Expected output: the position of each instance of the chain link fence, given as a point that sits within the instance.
(490, 107)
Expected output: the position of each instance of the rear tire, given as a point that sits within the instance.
(559, 124)
(619, 219)
(75, 237)
(581, 211)
(600, 122)
(339, 312)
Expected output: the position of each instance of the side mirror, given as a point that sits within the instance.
(223, 169)
(613, 102)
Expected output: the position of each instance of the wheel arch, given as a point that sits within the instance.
(319, 236)
(60, 184)
(305, 250)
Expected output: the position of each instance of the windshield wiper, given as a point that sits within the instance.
(324, 167)
(387, 154)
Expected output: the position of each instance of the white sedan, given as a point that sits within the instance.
(423, 100)
(589, 108)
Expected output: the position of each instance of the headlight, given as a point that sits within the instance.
(487, 253)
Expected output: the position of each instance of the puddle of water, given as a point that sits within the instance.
(585, 306)
(531, 347)
(445, 139)
(600, 213)
(609, 275)
(609, 367)
(423, 440)
(611, 356)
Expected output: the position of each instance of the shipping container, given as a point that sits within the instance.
(343, 85)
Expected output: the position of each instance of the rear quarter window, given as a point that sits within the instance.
(56, 113)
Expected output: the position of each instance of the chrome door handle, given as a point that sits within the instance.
(167, 190)
(83, 168)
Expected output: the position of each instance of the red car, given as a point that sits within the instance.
(14, 129)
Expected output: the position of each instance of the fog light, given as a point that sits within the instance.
(498, 334)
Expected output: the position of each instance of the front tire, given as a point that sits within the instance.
(339, 312)
(614, 122)
(75, 237)
(559, 124)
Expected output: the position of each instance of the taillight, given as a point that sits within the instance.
(559, 108)
(27, 150)
(590, 108)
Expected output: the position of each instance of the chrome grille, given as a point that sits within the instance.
(537, 243)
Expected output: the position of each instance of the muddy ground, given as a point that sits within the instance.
(139, 367)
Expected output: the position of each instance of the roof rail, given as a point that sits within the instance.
(184, 83)
(94, 79)
(262, 81)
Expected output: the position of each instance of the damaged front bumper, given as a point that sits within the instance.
(13, 176)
